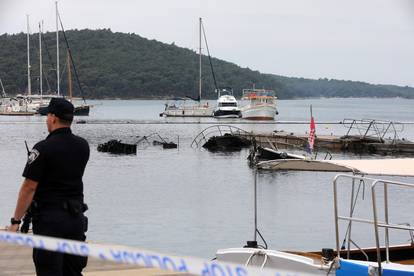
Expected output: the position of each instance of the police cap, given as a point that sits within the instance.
(61, 108)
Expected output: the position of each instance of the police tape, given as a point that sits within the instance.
(140, 257)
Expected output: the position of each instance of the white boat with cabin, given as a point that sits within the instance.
(227, 106)
(261, 104)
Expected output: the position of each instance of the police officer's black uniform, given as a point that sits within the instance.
(57, 164)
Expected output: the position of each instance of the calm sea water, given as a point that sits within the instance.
(193, 202)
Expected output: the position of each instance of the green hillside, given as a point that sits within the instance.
(120, 65)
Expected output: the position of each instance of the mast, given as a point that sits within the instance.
(199, 85)
(29, 84)
(3, 93)
(69, 76)
(57, 50)
(40, 60)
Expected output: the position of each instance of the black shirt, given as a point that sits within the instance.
(57, 164)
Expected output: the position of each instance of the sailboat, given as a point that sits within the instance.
(19, 105)
(8, 106)
(82, 109)
(33, 102)
(198, 110)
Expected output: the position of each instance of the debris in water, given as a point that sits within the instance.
(116, 147)
(165, 144)
(162, 142)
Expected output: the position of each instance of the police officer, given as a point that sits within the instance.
(53, 187)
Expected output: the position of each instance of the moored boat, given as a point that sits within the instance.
(187, 110)
(261, 104)
(193, 110)
(227, 106)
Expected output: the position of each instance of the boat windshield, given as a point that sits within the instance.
(227, 104)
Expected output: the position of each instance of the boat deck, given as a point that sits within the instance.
(17, 260)
(400, 254)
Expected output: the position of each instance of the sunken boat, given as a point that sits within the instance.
(117, 147)
(227, 142)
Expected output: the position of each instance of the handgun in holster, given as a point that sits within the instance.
(76, 208)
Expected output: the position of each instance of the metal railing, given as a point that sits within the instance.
(216, 130)
(374, 129)
(374, 221)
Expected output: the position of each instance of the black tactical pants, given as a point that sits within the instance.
(60, 224)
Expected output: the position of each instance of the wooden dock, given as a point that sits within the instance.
(355, 144)
(17, 260)
(22, 113)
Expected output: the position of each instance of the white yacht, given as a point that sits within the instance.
(227, 106)
(261, 104)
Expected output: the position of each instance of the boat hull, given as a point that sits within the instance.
(272, 259)
(189, 112)
(259, 112)
(219, 113)
(82, 110)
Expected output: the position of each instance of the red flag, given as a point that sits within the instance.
(311, 138)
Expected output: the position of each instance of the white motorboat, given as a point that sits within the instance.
(344, 261)
(261, 104)
(227, 106)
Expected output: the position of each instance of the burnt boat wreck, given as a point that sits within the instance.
(117, 147)
(222, 138)
(227, 142)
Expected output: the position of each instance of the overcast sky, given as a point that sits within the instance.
(365, 40)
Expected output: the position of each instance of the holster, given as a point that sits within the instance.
(75, 207)
(27, 219)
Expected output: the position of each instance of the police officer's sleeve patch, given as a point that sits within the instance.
(33, 155)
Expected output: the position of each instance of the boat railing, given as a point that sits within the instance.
(375, 221)
(215, 130)
(224, 91)
(377, 129)
(258, 93)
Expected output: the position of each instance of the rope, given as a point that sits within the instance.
(73, 63)
(257, 253)
(209, 57)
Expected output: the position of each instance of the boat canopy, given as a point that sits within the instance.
(390, 167)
